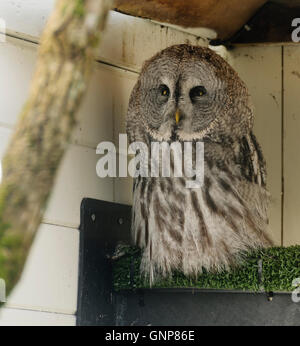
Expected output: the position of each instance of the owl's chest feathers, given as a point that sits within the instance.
(204, 227)
(165, 206)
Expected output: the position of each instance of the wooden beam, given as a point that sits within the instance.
(226, 17)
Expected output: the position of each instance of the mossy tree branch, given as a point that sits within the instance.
(42, 133)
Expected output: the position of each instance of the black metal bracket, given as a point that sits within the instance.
(103, 224)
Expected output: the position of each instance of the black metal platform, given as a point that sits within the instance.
(105, 223)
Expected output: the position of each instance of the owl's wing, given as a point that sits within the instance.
(252, 187)
(252, 162)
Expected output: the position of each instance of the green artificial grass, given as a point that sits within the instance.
(280, 266)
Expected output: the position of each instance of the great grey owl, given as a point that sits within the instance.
(186, 229)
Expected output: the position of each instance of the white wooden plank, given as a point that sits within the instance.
(123, 85)
(75, 180)
(17, 60)
(26, 17)
(5, 134)
(205, 33)
(50, 277)
(104, 105)
(123, 190)
(260, 68)
(105, 102)
(95, 118)
(17, 317)
(291, 216)
(127, 41)
(123, 185)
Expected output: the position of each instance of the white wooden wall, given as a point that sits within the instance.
(47, 292)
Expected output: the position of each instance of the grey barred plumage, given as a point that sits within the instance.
(209, 227)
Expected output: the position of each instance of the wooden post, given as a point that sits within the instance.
(42, 133)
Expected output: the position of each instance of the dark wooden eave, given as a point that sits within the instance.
(226, 17)
(271, 24)
(234, 21)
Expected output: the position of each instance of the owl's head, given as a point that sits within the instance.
(188, 93)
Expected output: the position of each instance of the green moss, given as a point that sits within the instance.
(79, 8)
(4, 191)
(64, 9)
(279, 267)
(12, 255)
(94, 40)
(11, 246)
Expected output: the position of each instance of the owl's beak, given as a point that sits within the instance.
(177, 116)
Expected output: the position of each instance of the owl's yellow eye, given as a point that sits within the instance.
(164, 90)
(197, 91)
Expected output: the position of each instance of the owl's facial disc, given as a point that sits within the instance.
(188, 93)
(185, 105)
